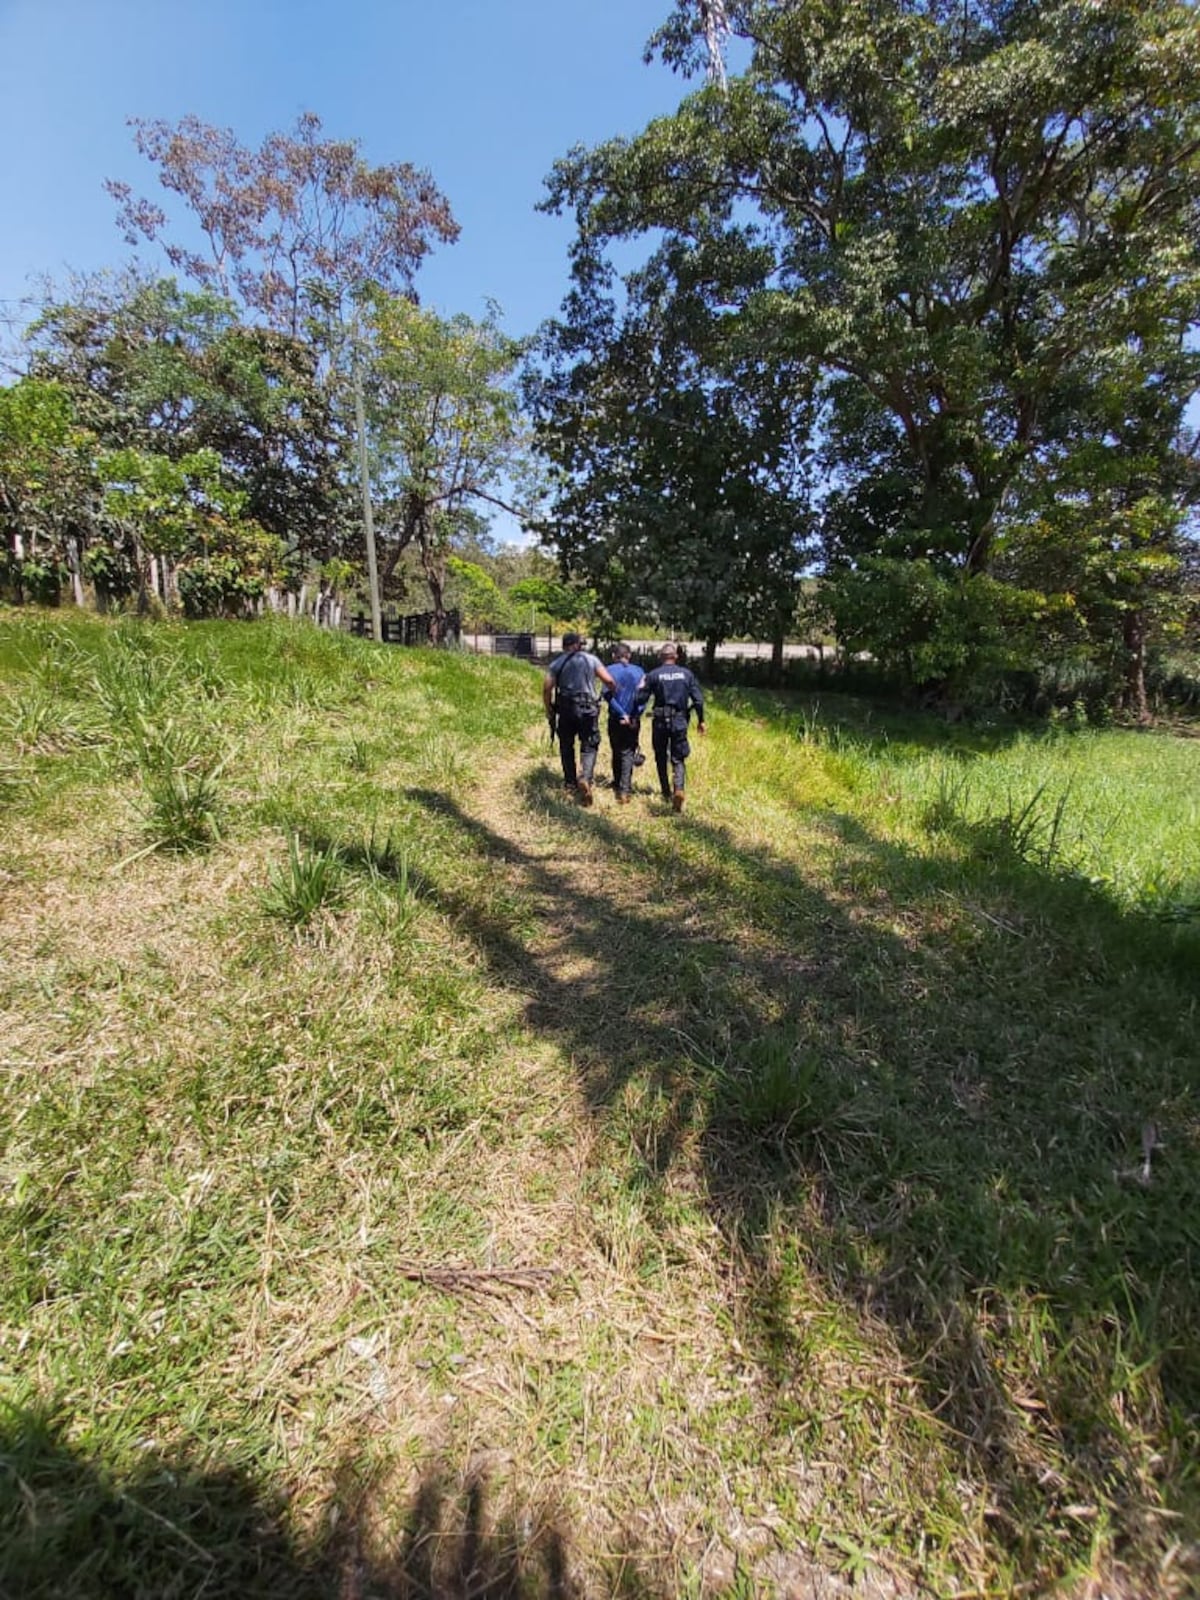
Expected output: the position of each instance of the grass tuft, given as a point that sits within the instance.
(35, 718)
(311, 880)
(359, 755)
(778, 1089)
(182, 806)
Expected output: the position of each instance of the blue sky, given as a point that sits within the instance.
(486, 94)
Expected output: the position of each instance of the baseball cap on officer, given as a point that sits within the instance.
(570, 640)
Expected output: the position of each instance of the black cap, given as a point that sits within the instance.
(570, 640)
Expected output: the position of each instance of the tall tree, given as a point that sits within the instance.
(297, 231)
(682, 445)
(48, 489)
(965, 202)
(445, 428)
(1106, 519)
(156, 368)
(298, 212)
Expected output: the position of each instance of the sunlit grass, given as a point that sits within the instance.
(822, 1110)
(1120, 809)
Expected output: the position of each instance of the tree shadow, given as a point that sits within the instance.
(948, 1107)
(73, 1529)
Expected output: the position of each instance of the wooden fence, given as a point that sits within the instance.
(412, 629)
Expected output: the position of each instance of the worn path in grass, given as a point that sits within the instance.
(850, 1114)
(604, 955)
(648, 950)
(628, 954)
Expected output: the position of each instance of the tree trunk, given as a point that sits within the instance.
(433, 565)
(710, 653)
(990, 498)
(1134, 697)
(437, 625)
(73, 566)
(139, 566)
(777, 639)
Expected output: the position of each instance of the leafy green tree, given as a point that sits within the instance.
(295, 233)
(682, 447)
(965, 207)
(445, 430)
(47, 488)
(1105, 525)
(511, 564)
(157, 368)
(182, 514)
(555, 598)
(476, 594)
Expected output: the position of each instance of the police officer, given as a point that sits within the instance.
(623, 722)
(674, 690)
(569, 696)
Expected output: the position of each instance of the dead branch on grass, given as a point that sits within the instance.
(483, 1280)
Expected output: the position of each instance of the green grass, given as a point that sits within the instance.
(821, 1110)
(309, 881)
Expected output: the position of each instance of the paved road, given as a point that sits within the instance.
(695, 648)
(728, 652)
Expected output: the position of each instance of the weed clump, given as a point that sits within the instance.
(309, 881)
(37, 719)
(182, 807)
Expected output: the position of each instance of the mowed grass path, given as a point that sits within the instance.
(412, 1184)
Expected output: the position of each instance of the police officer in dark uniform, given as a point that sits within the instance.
(572, 707)
(674, 690)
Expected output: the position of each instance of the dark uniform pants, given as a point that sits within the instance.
(580, 722)
(623, 740)
(670, 739)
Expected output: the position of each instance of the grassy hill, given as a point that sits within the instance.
(412, 1184)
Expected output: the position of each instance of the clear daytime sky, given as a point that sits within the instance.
(485, 94)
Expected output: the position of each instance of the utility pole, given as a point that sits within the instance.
(365, 483)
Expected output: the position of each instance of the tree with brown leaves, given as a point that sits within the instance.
(300, 212)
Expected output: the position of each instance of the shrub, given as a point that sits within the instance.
(111, 572)
(40, 581)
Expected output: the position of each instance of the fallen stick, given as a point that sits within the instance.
(486, 1279)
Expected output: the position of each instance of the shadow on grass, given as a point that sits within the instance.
(72, 1530)
(934, 1072)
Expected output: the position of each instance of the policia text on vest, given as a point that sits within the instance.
(673, 691)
